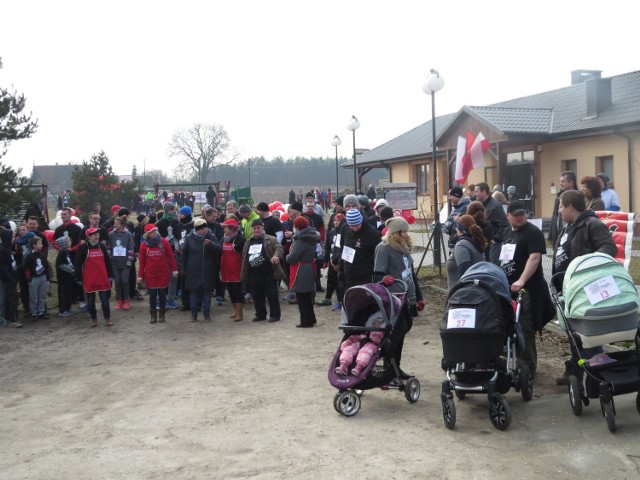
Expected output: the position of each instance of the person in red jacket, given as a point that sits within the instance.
(93, 271)
(157, 266)
(231, 264)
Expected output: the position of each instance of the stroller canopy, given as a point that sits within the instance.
(363, 300)
(490, 274)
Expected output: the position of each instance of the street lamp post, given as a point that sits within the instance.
(354, 124)
(335, 142)
(433, 84)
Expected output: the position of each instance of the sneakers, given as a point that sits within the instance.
(340, 370)
(83, 308)
(125, 305)
(324, 302)
(44, 316)
(337, 307)
(65, 313)
(357, 370)
(219, 301)
(172, 304)
(118, 305)
(248, 298)
(14, 324)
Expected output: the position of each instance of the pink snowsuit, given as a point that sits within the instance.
(351, 349)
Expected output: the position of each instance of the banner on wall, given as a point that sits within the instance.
(620, 226)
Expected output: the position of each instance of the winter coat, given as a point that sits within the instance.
(156, 264)
(271, 248)
(364, 242)
(199, 259)
(495, 215)
(8, 264)
(389, 261)
(301, 259)
(465, 253)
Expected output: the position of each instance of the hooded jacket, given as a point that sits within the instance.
(200, 259)
(303, 253)
(8, 265)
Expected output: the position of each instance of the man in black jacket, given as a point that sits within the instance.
(357, 251)
(567, 182)
(495, 216)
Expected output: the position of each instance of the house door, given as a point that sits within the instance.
(520, 175)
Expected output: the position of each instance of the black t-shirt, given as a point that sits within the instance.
(259, 264)
(527, 240)
(563, 253)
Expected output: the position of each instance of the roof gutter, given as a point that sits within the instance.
(629, 157)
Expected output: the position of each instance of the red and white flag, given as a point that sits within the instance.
(469, 155)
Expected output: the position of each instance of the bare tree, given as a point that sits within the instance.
(201, 149)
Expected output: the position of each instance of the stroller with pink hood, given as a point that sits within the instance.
(374, 314)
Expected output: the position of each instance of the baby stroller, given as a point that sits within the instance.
(599, 305)
(480, 335)
(360, 304)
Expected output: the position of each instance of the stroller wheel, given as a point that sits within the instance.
(335, 402)
(609, 414)
(412, 389)
(499, 412)
(575, 395)
(525, 383)
(348, 403)
(460, 395)
(448, 412)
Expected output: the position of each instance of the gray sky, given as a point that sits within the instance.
(283, 77)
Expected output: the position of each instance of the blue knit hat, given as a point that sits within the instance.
(354, 217)
(186, 211)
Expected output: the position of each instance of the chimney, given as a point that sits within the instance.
(581, 76)
(598, 92)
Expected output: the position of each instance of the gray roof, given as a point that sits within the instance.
(556, 113)
(413, 143)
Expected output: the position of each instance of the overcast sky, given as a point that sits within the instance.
(283, 77)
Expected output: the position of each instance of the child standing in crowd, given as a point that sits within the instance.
(65, 275)
(121, 251)
(332, 274)
(38, 275)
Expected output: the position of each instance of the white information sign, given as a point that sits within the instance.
(601, 290)
(461, 318)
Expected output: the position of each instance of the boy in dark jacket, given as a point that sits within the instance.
(9, 277)
(65, 274)
(38, 273)
(332, 274)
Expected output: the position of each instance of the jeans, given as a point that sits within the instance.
(104, 300)
(198, 296)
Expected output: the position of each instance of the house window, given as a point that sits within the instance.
(605, 164)
(570, 166)
(422, 177)
(519, 157)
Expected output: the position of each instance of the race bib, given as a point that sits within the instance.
(348, 254)
(601, 290)
(119, 252)
(336, 241)
(461, 318)
(507, 252)
(255, 249)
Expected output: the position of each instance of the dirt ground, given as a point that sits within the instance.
(186, 400)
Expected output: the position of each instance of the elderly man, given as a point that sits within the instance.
(523, 245)
(231, 212)
(568, 181)
(495, 216)
(262, 257)
(248, 216)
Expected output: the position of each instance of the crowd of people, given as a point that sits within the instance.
(484, 226)
(250, 255)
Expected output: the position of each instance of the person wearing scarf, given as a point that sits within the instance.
(231, 264)
(157, 266)
(198, 265)
(94, 272)
(393, 261)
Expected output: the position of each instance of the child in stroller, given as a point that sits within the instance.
(599, 305)
(353, 347)
(374, 316)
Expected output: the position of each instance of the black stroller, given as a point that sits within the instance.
(599, 305)
(360, 304)
(480, 335)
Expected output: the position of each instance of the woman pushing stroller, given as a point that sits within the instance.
(393, 260)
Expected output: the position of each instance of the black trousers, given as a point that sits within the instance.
(235, 292)
(11, 300)
(66, 289)
(261, 289)
(332, 284)
(305, 306)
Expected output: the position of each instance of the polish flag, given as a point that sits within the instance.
(469, 155)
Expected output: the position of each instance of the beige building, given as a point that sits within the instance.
(591, 126)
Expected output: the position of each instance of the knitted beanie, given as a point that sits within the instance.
(350, 200)
(354, 217)
(396, 224)
(186, 211)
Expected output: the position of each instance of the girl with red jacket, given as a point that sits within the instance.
(157, 265)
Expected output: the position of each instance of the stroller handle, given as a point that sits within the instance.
(350, 328)
(405, 287)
